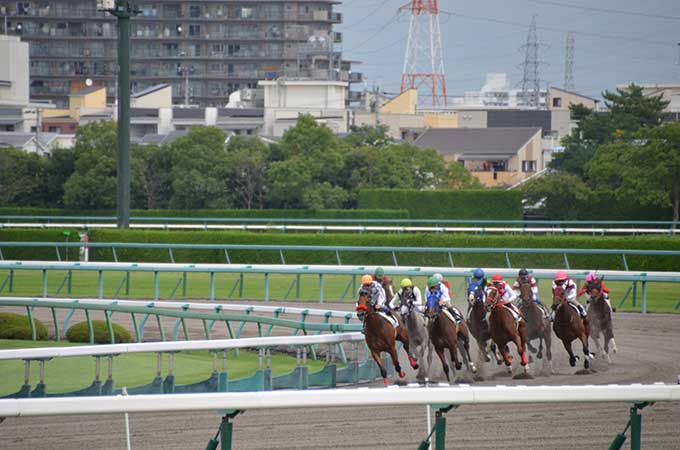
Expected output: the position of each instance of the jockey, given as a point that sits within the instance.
(563, 280)
(592, 281)
(506, 294)
(409, 293)
(384, 280)
(375, 292)
(523, 277)
(446, 283)
(437, 292)
(476, 284)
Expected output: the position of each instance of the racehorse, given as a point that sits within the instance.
(538, 326)
(443, 335)
(417, 332)
(479, 327)
(601, 322)
(568, 326)
(505, 328)
(381, 336)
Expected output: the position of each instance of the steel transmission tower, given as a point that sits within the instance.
(569, 64)
(531, 81)
(424, 57)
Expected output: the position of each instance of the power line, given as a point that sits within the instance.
(368, 15)
(380, 30)
(605, 10)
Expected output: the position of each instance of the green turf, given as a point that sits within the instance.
(70, 374)
(661, 297)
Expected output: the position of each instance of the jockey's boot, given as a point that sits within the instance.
(553, 308)
(543, 309)
(457, 316)
(581, 310)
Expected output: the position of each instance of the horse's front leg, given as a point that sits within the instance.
(494, 352)
(402, 336)
(442, 357)
(464, 347)
(572, 357)
(395, 361)
(586, 351)
(383, 371)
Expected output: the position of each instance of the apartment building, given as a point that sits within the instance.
(207, 49)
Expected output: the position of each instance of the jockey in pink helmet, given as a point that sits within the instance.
(562, 280)
(592, 283)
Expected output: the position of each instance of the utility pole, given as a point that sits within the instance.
(123, 11)
(569, 63)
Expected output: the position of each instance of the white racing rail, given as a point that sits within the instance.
(176, 346)
(349, 228)
(194, 306)
(458, 395)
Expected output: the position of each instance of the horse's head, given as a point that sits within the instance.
(492, 296)
(363, 303)
(525, 292)
(595, 291)
(406, 300)
(559, 295)
(431, 308)
(476, 297)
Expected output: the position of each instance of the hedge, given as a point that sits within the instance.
(378, 213)
(16, 326)
(360, 258)
(80, 332)
(461, 204)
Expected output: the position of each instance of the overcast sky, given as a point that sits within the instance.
(480, 36)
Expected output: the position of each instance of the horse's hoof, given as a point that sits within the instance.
(459, 365)
(487, 358)
(531, 359)
(540, 355)
(572, 361)
(402, 374)
(524, 360)
(499, 362)
(473, 368)
(386, 381)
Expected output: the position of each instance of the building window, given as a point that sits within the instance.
(194, 30)
(557, 102)
(194, 11)
(529, 166)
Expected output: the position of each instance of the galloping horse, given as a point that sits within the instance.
(381, 336)
(417, 332)
(479, 327)
(601, 322)
(568, 326)
(505, 328)
(443, 335)
(538, 326)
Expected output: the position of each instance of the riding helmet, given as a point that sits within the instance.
(561, 275)
(478, 273)
(496, 278)
(523, 272)
(366, 279)
(432, 281)
(406, 283)
(379, 272)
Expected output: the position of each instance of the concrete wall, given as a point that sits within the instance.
(440, 120)
(404, 103)
(472, 118)
(161, 98)
(561, 100)
(14, 69)
(95, 100)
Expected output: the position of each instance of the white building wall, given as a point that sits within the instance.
(14, 55)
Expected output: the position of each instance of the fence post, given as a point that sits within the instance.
(634, 293)
(212, 286)
(636, 425)
(644, 296)
(320, 288)
(100, 284)
(266, 287)
(44, 282)
(155, 285)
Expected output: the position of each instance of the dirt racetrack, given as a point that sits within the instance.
(649, 351)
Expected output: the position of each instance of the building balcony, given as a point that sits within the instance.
(336, 17)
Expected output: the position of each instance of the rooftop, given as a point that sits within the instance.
(477, 143)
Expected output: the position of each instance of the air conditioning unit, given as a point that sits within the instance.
(106, 4)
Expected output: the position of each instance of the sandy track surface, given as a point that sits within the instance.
(649, 351)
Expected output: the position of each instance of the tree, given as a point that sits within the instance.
(21, 175)
(629, 111)
(560, 194)
(93, 182)
(151, 177)
(645, 170)
(461, 178)
(60, 164)
(368, 136)
(247, 163)
(199, 168)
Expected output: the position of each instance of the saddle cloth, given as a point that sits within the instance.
(514, 314)
(449, 316)
(391, 320)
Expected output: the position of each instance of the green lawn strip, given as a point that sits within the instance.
(661, 297)
(73, 373)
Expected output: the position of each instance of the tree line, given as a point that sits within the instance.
(309, 168)
(617, 161)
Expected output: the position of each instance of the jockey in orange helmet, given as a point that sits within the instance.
(563, 280)
(376, 293)
(505, 292)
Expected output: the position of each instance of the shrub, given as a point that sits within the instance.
(79, 332)
(16, 326)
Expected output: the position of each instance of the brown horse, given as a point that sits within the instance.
(538, 326)
(505, 328)
(443, 335)
(381, 336)
(479, 327)
(568, 326)
(601, 322)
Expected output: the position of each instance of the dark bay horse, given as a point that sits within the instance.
(443, 335)
(479, 327)
(504, 328)
(538, 326)
(568, 326)
(381, 336)
(601, 322)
